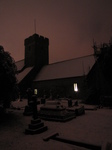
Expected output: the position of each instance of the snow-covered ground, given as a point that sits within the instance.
(94, 127)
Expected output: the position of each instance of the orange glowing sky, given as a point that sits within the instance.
(70, 25)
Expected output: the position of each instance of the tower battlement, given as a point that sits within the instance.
(36, 51)
(36, 38)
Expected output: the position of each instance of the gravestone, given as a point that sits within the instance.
(69, 103)
(28, 109)
(36, 126)
(29, 95)
(78, 109)
(54, 110)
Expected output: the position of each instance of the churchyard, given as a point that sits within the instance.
(94, 128)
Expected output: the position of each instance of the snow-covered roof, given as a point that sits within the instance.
(22, 74)
(20, 64)
(66, 69)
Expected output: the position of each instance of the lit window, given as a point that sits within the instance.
(35, 91)
(75, 87)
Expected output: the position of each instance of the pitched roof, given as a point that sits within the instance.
(20, 76)
(65, 69)
(20, 64)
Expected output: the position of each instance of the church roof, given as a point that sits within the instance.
(66, 69)
(20, 76)
(20, 64)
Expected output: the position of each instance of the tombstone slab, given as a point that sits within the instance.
(53, 110)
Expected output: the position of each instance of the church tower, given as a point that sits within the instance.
(36, 51)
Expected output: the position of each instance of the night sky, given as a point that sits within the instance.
(70, 25)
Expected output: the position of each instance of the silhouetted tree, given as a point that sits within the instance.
(107, 67)
(8, 81)
(107, 63)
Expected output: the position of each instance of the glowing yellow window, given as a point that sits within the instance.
(75, 87)
(35, 91)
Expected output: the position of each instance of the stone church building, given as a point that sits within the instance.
(69, 78)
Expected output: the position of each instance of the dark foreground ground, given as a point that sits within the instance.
(94, 127)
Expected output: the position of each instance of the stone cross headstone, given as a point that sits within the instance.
(29, 95)
(34, 107)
